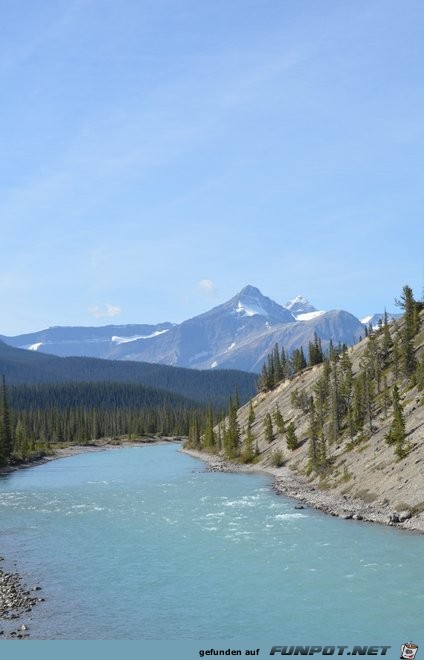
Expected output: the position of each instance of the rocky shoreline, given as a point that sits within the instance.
(16, 601)
(290, 485)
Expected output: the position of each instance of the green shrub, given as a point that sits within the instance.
(277, 458)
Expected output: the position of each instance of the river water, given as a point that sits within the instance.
(143, 543)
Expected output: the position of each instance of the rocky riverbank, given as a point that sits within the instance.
(289, 484)
(16, 601)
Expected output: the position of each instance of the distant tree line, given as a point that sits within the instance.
(35, 417)
(208, 386)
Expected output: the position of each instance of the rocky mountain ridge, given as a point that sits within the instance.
(237, 334)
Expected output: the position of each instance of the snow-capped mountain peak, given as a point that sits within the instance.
(251, 302)
(237, 334)
(299, 305)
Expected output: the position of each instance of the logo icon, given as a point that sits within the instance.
(408, 651)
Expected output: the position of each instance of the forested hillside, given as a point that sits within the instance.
(209, 386)
(351, 420)
(48, 400)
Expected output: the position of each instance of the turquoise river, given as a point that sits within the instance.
(142, 543)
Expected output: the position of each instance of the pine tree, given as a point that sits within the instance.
(368, 377)
(346, 388)
(193, 433)
(232, 433)
(315, 351)
(268, 429)
(291, 437)
(396, 434)
(209, 435)
(387, 341)
(373, 359)
(278, 375)
(251, 416)
(408, 304)
(369, 398)
(321, 392)
(334, 398)
(249, 451)
(297, 360)
(284, 364)
(410, 327)
(279, 420)
(271, 371)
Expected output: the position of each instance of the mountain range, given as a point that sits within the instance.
(237, 334)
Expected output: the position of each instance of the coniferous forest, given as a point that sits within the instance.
(211, 386)
(36, 418)
(48, 400)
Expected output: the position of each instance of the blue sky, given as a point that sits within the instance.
(158, 155)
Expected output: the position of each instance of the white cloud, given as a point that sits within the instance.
(107, 310)
(207, 286)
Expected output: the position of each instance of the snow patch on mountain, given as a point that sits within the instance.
(34, 347)
(309, 315)
(250, 309)
(125, 340)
